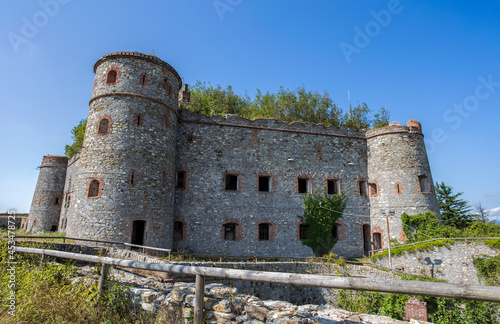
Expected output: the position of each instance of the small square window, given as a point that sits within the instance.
(332, 187)
(304, 185)
(231, 182)
(264, 183)
(373, 189)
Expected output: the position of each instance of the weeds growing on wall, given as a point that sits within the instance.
(488, 269)
(321, 213)
(425, 246)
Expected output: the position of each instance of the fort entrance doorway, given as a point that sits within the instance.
(138, 231)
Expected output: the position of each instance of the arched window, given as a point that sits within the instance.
(111, 77)
(93, 188)
(103, 126)
(178, 231)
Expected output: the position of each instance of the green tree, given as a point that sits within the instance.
(210, 100)
(454, 211)
(78, 135)
(357, 117)
(321, 213)
(381, 119)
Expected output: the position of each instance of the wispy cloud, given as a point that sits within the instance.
(493, 194)
(494, 214)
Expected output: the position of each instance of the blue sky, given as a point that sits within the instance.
(434, 61)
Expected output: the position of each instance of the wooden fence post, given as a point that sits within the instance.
(102, 279)
(199, 299)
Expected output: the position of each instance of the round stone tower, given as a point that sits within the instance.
(124, 190)
(399, 178)
(48, 197)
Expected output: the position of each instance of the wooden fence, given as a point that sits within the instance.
(437, 289)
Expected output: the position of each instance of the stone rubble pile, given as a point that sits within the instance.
(223, 304)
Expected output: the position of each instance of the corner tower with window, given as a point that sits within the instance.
(46, 206)
(399, 178)
(127, 141)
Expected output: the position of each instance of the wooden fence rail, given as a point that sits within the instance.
(436, 289)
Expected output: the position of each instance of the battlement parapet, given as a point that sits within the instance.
(138, 55)
(188, 116)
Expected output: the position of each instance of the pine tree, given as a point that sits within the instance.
(454, 211)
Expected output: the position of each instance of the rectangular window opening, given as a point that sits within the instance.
(263, 232)
(335, 232)
(332, 187)
(231, 182)
(373, 189)
(303, 185)
(230, 232)
(425, 184)
(264, 183)
(181, 180)
(362, 188)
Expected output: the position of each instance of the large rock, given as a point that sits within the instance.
(256, 312)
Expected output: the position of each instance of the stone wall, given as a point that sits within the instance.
(132, 158)
(453, 264)
(294, 294)
(47, 199)
(208, 148)
(396, 159)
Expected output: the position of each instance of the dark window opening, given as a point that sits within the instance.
(138, 119)
(132, 180)
(373, 189)
(230, 232)
(190, 138)
(362, 188)
(68, 200)
(181, 180)
(138, 231)
(111, 77)
(53, 228)
(164, 175)
(335, 232)
(166, 121)
(56, 201)
(303, 185)
(93, 188)
(425, 183)
(377, 241)
(231, 182)
(103, 126)
(264, 183)
(366, 239)
(302, 231)
(142, 79)
(178, 231)
(399, 189)
(332, 187)
(264, 230)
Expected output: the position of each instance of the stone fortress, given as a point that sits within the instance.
(152, 173)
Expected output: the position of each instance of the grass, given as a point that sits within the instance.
(426, 246)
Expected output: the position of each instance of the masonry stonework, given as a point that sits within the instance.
(138, 196)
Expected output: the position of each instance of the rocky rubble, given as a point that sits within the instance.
(223, 304)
